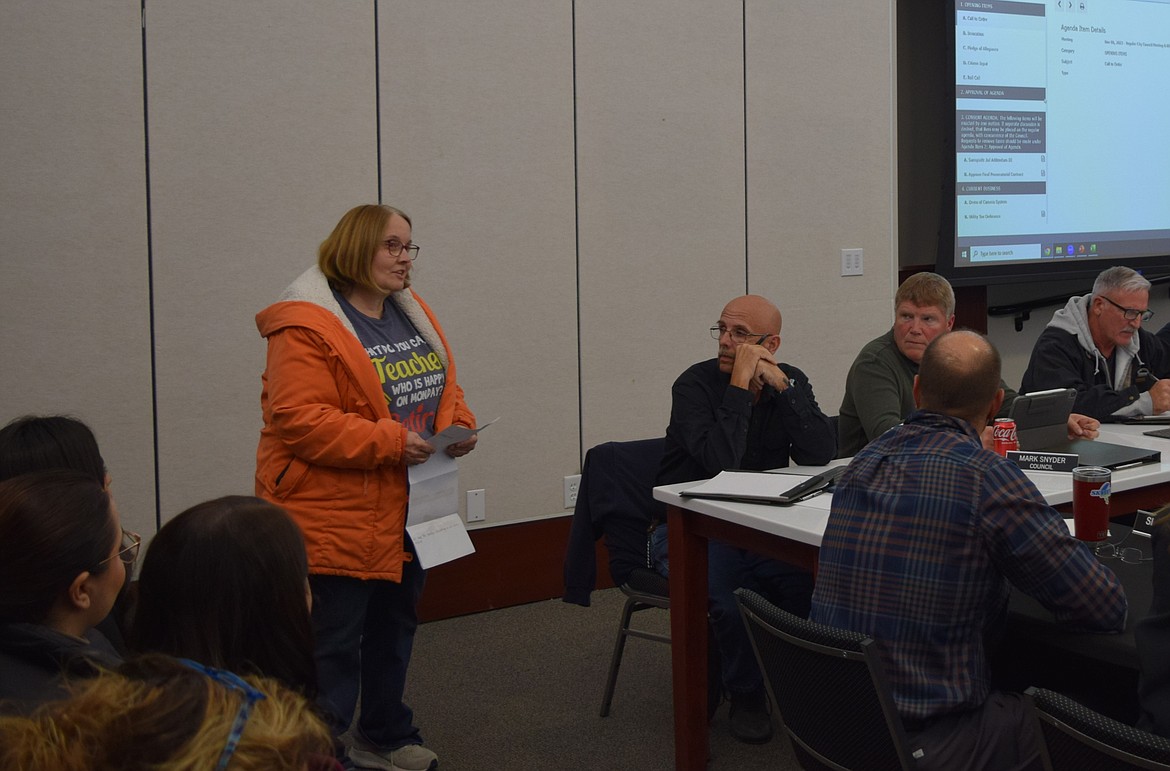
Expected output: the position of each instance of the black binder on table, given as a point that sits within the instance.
(1042, 426)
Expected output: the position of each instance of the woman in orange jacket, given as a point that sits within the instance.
(359, 375)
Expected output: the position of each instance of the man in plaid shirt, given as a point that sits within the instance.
(926, 532)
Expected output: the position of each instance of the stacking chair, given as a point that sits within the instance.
(645, 588)
(615, 501)
(829, 688)
(617, 480)
(1076, 737)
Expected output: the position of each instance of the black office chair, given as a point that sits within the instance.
(1076, 737)
(829, 688)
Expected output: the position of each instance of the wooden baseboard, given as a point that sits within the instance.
(512, 565)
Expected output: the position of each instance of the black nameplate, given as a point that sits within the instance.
(1044, 461)
(1143, 523)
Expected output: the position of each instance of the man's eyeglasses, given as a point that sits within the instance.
(1130, 555)
(233, 682)
(131, 543)
(1130, 313)
(739, 336)
(395, 247)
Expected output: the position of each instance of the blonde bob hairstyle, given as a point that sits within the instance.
(346, 256)
(156, 713)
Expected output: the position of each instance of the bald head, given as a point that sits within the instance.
(746, 322)
(757, 313)
(959, 376)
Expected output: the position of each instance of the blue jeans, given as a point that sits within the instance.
(364, 634)
(728, 569)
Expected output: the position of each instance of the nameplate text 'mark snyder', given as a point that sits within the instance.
(1044, 461)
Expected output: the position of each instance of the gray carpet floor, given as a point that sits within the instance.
(520, 688)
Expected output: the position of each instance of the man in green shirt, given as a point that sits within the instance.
(879, 387)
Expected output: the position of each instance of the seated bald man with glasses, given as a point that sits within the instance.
(1096, 345)
(743, 410)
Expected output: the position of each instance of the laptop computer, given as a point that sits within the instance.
(1042, 426)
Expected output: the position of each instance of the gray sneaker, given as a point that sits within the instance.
(412, 757)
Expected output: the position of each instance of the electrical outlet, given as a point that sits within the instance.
(572, 483)
(851, 262)
(475, 506)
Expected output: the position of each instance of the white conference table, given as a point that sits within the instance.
(793, 533)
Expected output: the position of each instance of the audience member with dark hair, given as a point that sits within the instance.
(40, 443)
(158, 712)
(62, 564)
(43, 443)
(226, 583)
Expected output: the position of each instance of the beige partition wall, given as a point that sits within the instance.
(262, 134)
(477, 145)
(821, 172)
(590, 181)
(74, 301)
(661, 201)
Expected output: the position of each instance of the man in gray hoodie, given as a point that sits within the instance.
(1096, 345)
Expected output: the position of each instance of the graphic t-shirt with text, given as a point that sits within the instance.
(411, 373)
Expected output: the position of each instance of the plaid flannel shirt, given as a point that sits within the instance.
(927, 530)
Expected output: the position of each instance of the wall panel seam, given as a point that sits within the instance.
(150, 280)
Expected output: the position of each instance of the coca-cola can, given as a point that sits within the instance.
(1003, 433)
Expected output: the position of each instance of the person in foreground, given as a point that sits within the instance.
(359, 375)
(926, 532)
(1096, 345)
(61, 567)
(226, 583)
(879, 389)
(743, 410)
(156, 712)
(46, 442)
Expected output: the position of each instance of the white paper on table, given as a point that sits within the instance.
(440, 540)
(452, 434)
(434, 489)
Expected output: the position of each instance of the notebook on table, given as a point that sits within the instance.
(1042, 426)
(764, 486)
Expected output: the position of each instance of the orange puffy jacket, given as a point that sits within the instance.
(329, 451)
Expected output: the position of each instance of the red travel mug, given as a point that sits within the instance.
(1091, 488)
